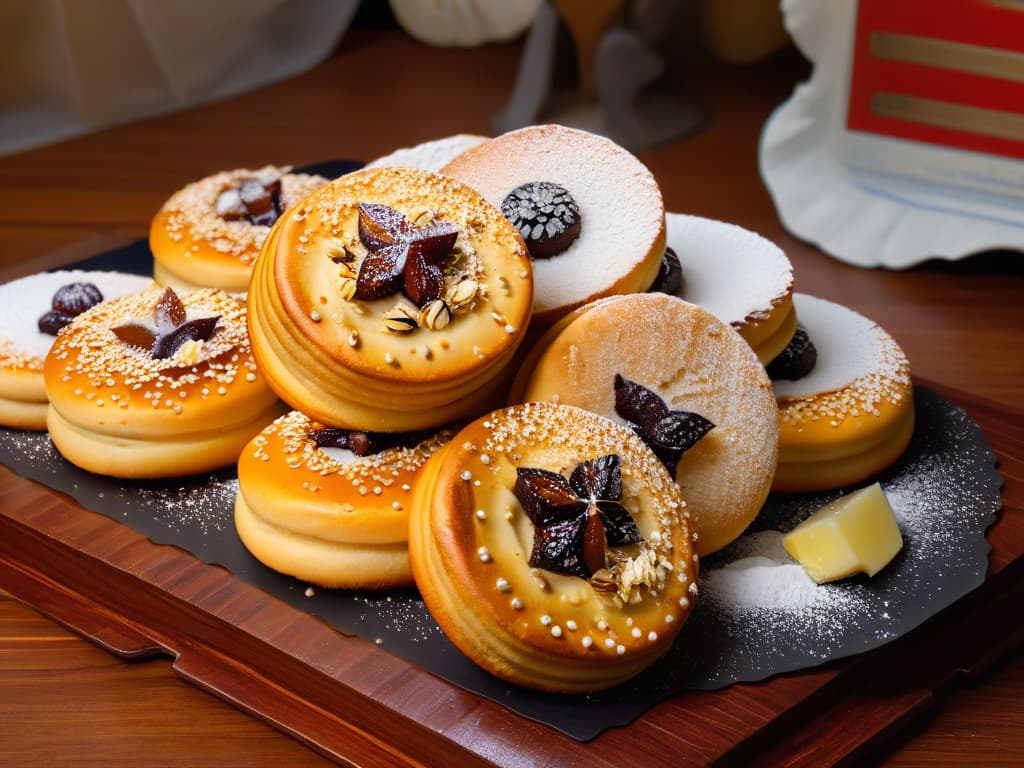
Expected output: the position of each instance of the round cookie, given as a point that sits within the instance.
(694, 363)
(349, 327)
(23, 346)
(311, 509)
(150, 386)
(553, 548)
(429, 155)
(208, 234)
(853, 414)
(621, 215)
(738, 276)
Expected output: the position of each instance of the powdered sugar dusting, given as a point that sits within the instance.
(430, 155)
(851, 348)
(733, 273)
(24, 300)
(622, 213)
(944, 494)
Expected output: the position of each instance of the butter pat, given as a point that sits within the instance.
(856, 533)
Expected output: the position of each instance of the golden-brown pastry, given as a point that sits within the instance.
(32, 311)
(591, 212)
(692, 362)
(330, 506)
(737, 275)
(208, 234)
(390, 300)
(156, 385)
(853, 414)
(553, 548)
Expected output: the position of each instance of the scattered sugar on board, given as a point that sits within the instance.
(942, 497)
(206, 507)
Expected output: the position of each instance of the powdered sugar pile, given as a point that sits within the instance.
(770, 617)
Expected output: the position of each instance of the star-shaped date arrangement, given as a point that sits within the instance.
(668, 433)
(402, 257)
(575, 520)
(169, 328)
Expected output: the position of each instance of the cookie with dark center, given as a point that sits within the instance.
(796, 360)
(545, 214)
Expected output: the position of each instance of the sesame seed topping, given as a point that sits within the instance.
(620, 649)
(484, 554)
(636, 632)
(570, 625)
(503, 585)
(609, 643)
(587, 641)
(652, 636)
(481, 515)
(517, 603)
(545, 620)
(556, 631)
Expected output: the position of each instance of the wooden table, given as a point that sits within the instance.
(64, 701)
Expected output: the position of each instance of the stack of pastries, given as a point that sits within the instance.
(492, 368)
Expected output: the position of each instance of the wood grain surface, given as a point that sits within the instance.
(65, 701)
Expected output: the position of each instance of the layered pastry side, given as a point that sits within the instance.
(683, 380)
(208, 234)
(591, 213)
(429, 155)
(553, 548)
(849, 416)
(331, 506)
(156, 385)
(740, 277)
(392, 299)
(33, 310)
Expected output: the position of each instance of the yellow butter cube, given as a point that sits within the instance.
(853, 534)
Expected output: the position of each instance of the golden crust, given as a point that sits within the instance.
(296, 500)
(861, 418)
(22, 414)
(470, 545)
(120, 398)
(320, 561)
(622, 235)
(335, 359)
(827, 470)
(193, 246)
(694, 362)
